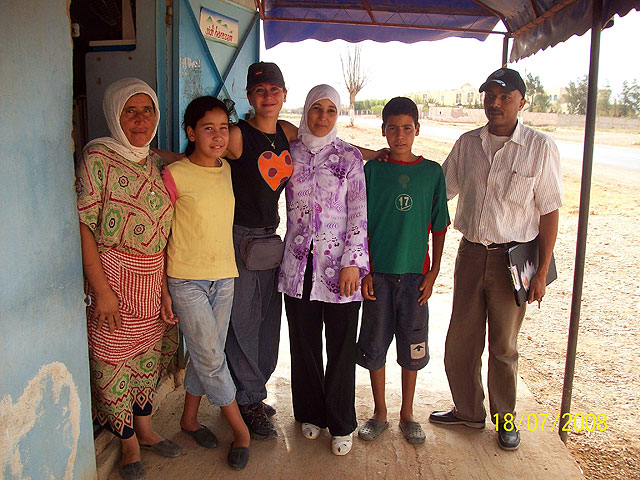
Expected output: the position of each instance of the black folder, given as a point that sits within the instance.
(522, 261)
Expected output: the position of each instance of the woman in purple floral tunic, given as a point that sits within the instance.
(326, 256)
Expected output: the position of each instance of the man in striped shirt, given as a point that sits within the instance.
(508, 179)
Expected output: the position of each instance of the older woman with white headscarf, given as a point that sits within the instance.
(326, 256)
(125, 217)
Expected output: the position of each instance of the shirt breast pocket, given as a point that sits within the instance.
(520, 190)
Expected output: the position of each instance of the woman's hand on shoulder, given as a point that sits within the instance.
(349, 281)
(381, 155)
(106, 310)
(290, 130)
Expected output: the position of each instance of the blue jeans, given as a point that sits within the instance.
(204, 310)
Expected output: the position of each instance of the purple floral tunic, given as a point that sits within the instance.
(326, 206)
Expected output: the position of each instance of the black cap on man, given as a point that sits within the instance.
(508, 79)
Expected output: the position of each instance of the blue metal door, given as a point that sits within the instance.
(201, 66)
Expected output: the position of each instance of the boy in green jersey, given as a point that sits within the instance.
(406, 200)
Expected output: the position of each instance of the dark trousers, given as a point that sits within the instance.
(323, 398)
(254, 330)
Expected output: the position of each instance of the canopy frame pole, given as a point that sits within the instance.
(505, 50)
(583, 219)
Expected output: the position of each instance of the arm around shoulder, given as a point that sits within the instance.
(290, 130)
(234, 149)
(167, 156)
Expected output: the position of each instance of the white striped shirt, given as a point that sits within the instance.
(502, 200)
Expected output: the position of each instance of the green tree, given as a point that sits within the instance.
(541, 102)
(576, 96)
(534, 86)
(630, 98)
(536, 96)
(605, 108)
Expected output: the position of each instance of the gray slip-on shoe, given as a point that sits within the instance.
(132, 471)
(412, 432)
(165, 448)
(372, 429)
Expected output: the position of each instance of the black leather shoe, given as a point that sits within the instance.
(508, 439)
(260, 427)
(238, 457)
(449, 418)
(268, 409)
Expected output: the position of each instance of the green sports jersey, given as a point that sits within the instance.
(405, 201)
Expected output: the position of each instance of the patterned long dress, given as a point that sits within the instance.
(128, 209)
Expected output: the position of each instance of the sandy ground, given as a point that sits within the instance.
(449, 453)
(609, 336)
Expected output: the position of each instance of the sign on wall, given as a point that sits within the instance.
(218, 28)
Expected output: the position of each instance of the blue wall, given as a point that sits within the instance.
(45, 423)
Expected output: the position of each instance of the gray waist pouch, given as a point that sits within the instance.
(261, 253)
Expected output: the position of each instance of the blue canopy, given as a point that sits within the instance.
(533, 24)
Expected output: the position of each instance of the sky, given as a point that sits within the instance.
(397, 69)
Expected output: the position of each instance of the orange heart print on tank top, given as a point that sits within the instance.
(275, 169)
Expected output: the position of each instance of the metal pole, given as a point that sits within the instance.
(583, 217)
(505, 50)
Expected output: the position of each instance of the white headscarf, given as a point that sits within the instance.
(115, 97)
(313, 143)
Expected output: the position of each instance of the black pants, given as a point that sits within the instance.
(326, 399)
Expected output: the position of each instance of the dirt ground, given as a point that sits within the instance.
(609, 335)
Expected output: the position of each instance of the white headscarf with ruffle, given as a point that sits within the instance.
(313, 143)
(115, 97)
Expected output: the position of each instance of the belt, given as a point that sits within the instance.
(494, 246)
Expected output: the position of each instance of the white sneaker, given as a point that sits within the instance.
(341, 445)
(310, 431)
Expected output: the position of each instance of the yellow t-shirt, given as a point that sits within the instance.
(201, 241)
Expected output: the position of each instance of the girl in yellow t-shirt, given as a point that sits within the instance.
(201, 268)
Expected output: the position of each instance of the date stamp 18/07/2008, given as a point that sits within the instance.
(570, 422)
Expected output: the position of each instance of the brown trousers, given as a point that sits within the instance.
(482, 293)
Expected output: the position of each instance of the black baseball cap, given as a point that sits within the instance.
(264, 72)
(508, 79)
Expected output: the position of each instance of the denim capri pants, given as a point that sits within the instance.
(203, 308)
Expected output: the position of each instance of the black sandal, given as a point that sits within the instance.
(238, 457)
(203, 437)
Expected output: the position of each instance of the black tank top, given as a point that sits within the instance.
(259, 176)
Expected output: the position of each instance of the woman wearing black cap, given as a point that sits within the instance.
(261, 167)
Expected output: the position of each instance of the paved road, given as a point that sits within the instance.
(621, 157)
